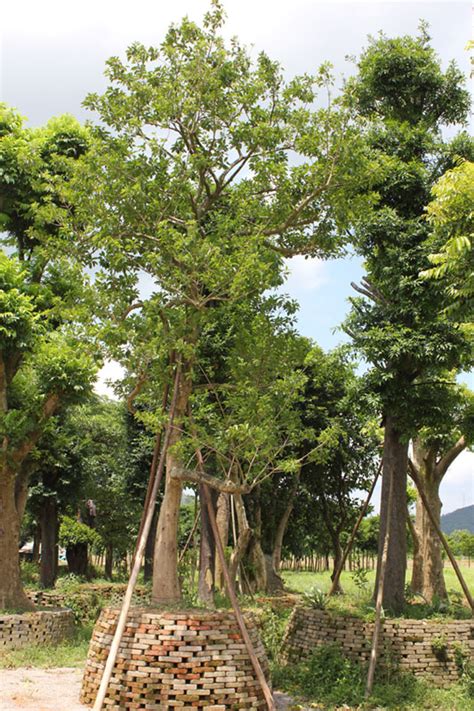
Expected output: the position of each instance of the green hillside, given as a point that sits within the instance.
(459, 520)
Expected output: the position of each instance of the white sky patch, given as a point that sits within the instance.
(457, 487)
(304, 274)
(108, 374)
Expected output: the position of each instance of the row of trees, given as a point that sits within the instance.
(206, 170)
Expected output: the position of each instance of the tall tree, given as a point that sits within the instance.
(45, 354)
(398, 323)
(191, 183)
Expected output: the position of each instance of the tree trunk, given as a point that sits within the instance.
(12, 595)
(77, 559)
(283, 525)
(36, 544)
(416, 583)
(150, 549)
(222, 520)
(338, 552)
(109, 561)
(243, 539)
(49, 542)
(166, 588)
(206, 552)
(428, 576)
(395, 464)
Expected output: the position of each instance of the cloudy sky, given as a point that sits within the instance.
(53, 53)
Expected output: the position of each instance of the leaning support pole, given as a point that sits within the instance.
(233, 597)
(441, 536)
(351, 540)
(140, 550)
(379, 600)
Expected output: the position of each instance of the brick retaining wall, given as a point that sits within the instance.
(42, 627)
(188, 659)
(424, 647)
(112, 594)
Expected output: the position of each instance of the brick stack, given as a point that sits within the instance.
(42, 627)
(113, 594)
(423, 647)
(188, 660)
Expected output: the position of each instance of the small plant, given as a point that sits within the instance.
(272, 629)
(361, 579)
(464, 666)
(316, 598)
(439, 646)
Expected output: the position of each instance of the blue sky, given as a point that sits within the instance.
(53, 53)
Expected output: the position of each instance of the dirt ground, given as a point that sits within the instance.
(55, 690)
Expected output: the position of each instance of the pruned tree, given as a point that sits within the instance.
(191, 181)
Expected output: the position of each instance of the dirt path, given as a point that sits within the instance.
(55, 690)
(40, 689)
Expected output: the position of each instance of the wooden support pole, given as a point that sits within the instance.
(379, 599)
(441, 536)
(351, 540)
(140, 550)
(233, 597)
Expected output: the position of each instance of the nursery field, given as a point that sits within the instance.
(301, 582)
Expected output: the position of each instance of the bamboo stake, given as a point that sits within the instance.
(233, 597)
(101, 694)
(351, 540)
(379, 600)
(441, 536)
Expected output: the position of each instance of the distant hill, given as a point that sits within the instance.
(461, 519)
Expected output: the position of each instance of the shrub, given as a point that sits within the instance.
(316, 598)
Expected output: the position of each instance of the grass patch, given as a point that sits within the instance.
(356, 600)
(329, 680)
(70, 653)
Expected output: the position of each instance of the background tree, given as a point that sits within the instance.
(341, 443)
(435, 449)
(46, 360)
(397, 323)
(190, 182)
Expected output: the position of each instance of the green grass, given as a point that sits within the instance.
(327, 680)
(70, 653)
(301, 582)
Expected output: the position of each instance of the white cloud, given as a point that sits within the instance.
(109, 374)
(304, 274)
(457, 488)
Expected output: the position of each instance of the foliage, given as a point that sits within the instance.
(272, 625)
(72, 532)
(328, 678)
(85, 603)
(451, 215)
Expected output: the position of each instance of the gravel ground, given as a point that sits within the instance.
(56, 690)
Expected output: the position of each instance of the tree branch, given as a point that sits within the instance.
(449, 457)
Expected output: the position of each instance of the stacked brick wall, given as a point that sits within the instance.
(190, 659)
(43, 627)
(112, 594)
(425, 648)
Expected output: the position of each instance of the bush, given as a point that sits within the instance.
(326, 676)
